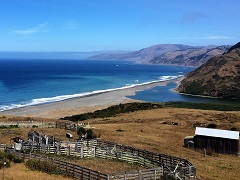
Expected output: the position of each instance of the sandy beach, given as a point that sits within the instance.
(84, 104)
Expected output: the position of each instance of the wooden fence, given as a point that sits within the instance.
(179, 167)
(67, 168)
(155, 173)
(110, 150)
(69, 125)
(80, 172)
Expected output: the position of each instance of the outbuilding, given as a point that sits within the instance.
(220, 141)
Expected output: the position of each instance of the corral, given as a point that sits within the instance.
(157, 164)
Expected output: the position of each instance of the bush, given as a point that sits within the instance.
(8, 158)
(89, 133)
(8, 164)
(81, 132)
(114, 110)
(9, 127)
(18, 160)
(44, 166)
(212, 126)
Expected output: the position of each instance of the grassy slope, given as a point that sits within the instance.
(143, 129)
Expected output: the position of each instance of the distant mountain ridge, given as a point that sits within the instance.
(218, 77)
(143, 55)
(189, 57)
(177, 54)
(51, 55)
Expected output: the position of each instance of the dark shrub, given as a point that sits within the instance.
(81, 131)
(44, 166)
(212, 126)
(90, 134)
(18, 160)
(233, 129)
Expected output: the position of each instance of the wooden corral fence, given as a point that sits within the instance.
(105, 149)
(70, 126)
(80, 172)
(172, 165)
(67, 168)
(155, 173)
(179, 167)
(29, 124)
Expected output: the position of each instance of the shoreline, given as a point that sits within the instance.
(83, 104)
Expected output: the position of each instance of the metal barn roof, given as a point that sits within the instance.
(217, 133)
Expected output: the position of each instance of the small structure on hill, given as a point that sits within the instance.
(220, 141)
(17, 143)
(35, 138)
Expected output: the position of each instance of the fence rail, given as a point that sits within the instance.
(69, 169)
(107, 149)
(155, 173)
(157, 163)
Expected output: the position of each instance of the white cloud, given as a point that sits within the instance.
(219, 37)
(40, 28)
(71, 24)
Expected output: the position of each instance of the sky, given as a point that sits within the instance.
(95, 25)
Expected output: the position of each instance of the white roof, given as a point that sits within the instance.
(217, 133)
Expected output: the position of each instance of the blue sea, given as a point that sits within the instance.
(32, 82)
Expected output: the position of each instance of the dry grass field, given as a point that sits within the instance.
(145, 130)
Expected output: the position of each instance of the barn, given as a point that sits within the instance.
(220, 141)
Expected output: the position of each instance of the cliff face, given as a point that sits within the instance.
(218, 77)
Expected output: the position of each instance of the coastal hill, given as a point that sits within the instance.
(143, 55)
(194, 56)
(176, 54)
(218, 77)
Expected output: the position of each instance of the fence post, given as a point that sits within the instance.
(98, 175)
(140, 174)
(155, 174)
(66, 168)
(94, 151)
(82, 150)
(69, 150)
(24, 156)
(82, 173)
(73, 171)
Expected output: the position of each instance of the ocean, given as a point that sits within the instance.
(32, 82)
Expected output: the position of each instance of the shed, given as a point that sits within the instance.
(220, 141)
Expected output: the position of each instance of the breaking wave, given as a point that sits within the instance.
(65, 97)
